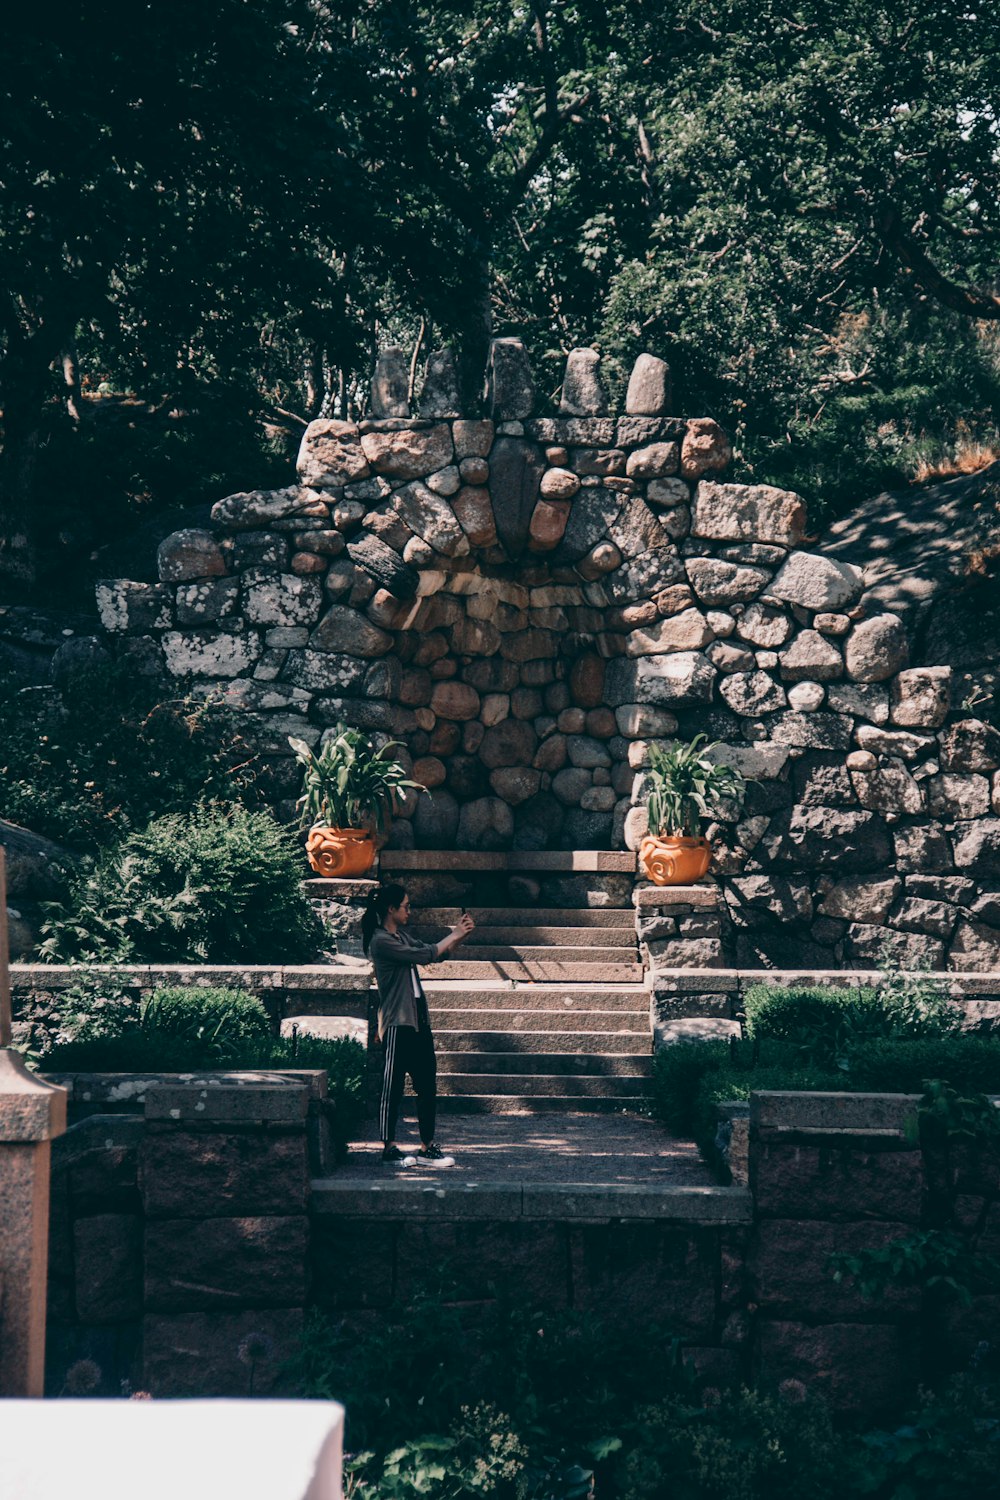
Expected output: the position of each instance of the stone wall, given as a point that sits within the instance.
(528, 601)
(186, 1228)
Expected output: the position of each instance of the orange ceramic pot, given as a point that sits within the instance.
(340, 853)
(673, 860)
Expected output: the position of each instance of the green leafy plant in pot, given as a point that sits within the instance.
(349, 791)
(684, 786)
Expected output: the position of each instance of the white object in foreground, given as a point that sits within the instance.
(163, 1450)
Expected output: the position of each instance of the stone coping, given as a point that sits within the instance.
(595, 860)
(346, 890)
(204, 1094)
(707, 981)
(457, 1199)
(347, 974)
(780, 1112)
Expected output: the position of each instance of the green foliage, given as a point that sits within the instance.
(220, 885)
(828, 1025)
(949, 1446)
(350, 783)
(110, 752)
(107, 1029)
(685, 785)
(932, 1260)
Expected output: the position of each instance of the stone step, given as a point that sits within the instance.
(540, 971)
(538, 953)
(572, 1020)
(553, 1085)
(563, 1064)
(581, 938)
(503, 998)
(558, 860)
(569, 1041)
(557, 916)
(539, 1104)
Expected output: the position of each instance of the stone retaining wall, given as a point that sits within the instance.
(529, 601)
(181, 1231)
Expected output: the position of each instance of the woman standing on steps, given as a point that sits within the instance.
(403, 1021)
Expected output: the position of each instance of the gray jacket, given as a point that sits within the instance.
(395, 956)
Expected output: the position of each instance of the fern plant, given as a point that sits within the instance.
(349, 784)
(685, 786)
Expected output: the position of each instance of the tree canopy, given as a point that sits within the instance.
(224, 207)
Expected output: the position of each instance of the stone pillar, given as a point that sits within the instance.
(31, 1113)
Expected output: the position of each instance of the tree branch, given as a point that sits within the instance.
(970, 301)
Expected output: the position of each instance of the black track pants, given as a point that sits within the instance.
(408, 1050)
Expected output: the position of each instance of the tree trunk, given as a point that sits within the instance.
(477, 331)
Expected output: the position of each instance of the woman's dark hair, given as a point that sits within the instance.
(379, 903)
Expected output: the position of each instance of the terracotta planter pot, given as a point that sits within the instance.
(673, 860)
(340, 853)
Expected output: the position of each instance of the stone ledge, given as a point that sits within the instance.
(343, 890)
(354, 975)
(783, 1113)
(965, 983)
(594, 860)
(661, 897)
(469, 1200)
(210, 1084)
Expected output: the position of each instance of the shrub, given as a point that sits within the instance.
(220, 885)
(678, 1073)
(110, 752)
(107, 1030)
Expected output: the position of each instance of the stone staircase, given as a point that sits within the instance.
(539, 1010)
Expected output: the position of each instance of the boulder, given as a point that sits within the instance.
(648, 393)
(921, 697)
(548, 522)
(124, 605)
(806, 697)
(385, 566)
(435, 822)
(189, 553)
(431, 518)
(970, 745)
(473, 439)
(719, 582)
(330, 455)
(516, 470)
(704, 448)
(390, 388)
(863, 701)
(282, 599)
(586, 680)
(343, 629)
(817, 582)
(439, 396)
(921, 847)
(679, 677)
(454, 700)
(748, 512)
(210, 653)
(958, 798)
(510, 389)
(876, 649)
(811, 655)
(324, 672)
(515, 784)
(975, 946)
(901, 742)
(653, 462)
(512, 742)
(474, 512)
(751, 693)
(486, 823)
(765, 626)
(584, 750)
(583, 391)
(447, 481)
(890, 789)
(409, 452)
(828, 838)
(559, 484)
(861, 899)
(686, 631)
(813, 731)
(36, 866)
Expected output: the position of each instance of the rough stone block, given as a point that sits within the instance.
(647, 1273)
(797, 1181)
(249, 1172)
(209, 1353)
(860, 1369)
(751, 512)
(223, 1262)
(107, 1257)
